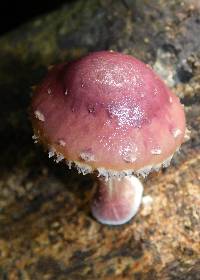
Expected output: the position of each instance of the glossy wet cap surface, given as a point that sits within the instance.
(108, 110)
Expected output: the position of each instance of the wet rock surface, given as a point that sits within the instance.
(46, 229)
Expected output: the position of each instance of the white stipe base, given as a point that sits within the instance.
(117, 200)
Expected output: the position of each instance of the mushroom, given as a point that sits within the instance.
(109, 113)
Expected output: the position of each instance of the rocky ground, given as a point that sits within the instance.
(46, 229)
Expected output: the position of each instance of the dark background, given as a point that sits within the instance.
(14, 14)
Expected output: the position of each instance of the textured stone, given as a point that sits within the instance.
(46, 230)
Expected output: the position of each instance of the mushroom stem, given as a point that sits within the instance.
(116, 201)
